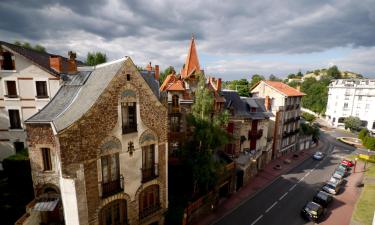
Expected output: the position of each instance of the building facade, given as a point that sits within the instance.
(285, 104)
(351, 97)
(29, 80)
(98, 150)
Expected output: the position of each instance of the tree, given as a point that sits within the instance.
(291, 76)
(95, 58)
(208, 135)
(241, 86)
(363, 133)
(293, 84)
(307, 129)
(274, 78)
(334, 72)
(308, 117)
(27, 45)
(255, 79)
(299, 74)
(167, 71)
(316, 94)
(352, 123)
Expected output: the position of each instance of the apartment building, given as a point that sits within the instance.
(29, 80)
(351, 97)
(98, 150)
(285, 104)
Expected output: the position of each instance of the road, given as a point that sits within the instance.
(281, 202)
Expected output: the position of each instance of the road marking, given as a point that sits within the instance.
(312, 170)
(269, 208)
(295, 185)
(307, 174)
(283, 196)
(255, 221)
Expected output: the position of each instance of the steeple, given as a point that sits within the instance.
(192, 62)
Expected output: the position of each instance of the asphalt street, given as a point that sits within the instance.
(282, 201)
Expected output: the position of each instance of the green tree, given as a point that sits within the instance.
(307, 129)
(299, 74)
(334, 72)
(27, 45)
(208, 135)
(255, 79)
(316, 94)
(369, 142)
(165, 73)
(274, 78)
(352, 123)
(308, 117)
(291, 76)
(363, 133)
(293, 84)
(95, 58)
(241, 86)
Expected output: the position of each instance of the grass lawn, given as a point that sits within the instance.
(365, 207)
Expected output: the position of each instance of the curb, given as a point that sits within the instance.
(261, 189)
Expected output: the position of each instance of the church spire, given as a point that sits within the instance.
(192, 62)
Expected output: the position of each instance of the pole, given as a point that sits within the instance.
(355, 164)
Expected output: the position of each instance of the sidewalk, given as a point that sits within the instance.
(341, 210)
(258, 183)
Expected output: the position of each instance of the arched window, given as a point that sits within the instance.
(149, 201)
(114, 213)
(7, 61)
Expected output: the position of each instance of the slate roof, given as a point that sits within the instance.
(241, 107)
(148, 76)
(41, 59)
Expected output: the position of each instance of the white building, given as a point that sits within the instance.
(28, 81)
(354, 97)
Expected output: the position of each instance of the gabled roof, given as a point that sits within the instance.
(192, 62)
(282, 88)
(172, 83)
(41, 59)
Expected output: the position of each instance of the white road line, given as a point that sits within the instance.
(295, 185)
(312, 170)
(255, 221)
(307, 174)
(269, 208)
(283, 196)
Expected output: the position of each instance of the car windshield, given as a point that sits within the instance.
(330, 185)
(334, 180)
(322, 195)
(318, 153)
(312, 208)
(340, 172)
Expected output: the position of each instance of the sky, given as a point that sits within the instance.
(235, 39)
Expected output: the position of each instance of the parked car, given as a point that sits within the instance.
(312, 211)
(336, 180)
(347, 162)
(331, 188)
(323, 198)
(338, 174)
(343, 169)
(318, 156)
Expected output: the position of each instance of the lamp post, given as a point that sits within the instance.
(355, 164)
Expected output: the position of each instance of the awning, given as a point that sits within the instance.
(46, 206)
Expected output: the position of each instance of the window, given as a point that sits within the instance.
(360, 98)
(129, 117)
(11, 89)
(128, 77)
(175, 123)
(47, 163)
(149, 202)
(8, 63)
(341, 120)
(149, 169)
(41, 89)
(114, 213)
(110, 174)
(364, 123)
(373, 125)
(18, 146)
(14, 119)
(175, 104)
(345, 105)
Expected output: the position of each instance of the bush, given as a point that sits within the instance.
(363, 133)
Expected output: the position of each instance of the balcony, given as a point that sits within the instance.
(112, 187)
(257, 134)
(149, 210)
(150, 173)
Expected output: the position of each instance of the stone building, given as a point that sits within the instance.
(29, 80)
(98, 150)
(248, 125)
(285, 104)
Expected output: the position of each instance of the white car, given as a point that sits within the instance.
(318, 155)
(335, 180)
(331, 188)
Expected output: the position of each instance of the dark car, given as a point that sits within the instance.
(323, 198)
(312, 211)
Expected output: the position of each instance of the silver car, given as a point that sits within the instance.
(318, 155)
(331, 188)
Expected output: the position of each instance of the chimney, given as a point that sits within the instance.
(267, 103)
(149, 67)
(157, 72)
(55, 62)
(218, 84)
(72, 64)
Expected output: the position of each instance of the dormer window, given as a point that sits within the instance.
(8, 63)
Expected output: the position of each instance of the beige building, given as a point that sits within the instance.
(98, 150)
(285, 104)
(29, 80)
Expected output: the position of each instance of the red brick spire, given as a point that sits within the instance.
(191, 62)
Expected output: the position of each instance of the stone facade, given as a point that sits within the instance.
(78, 150)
